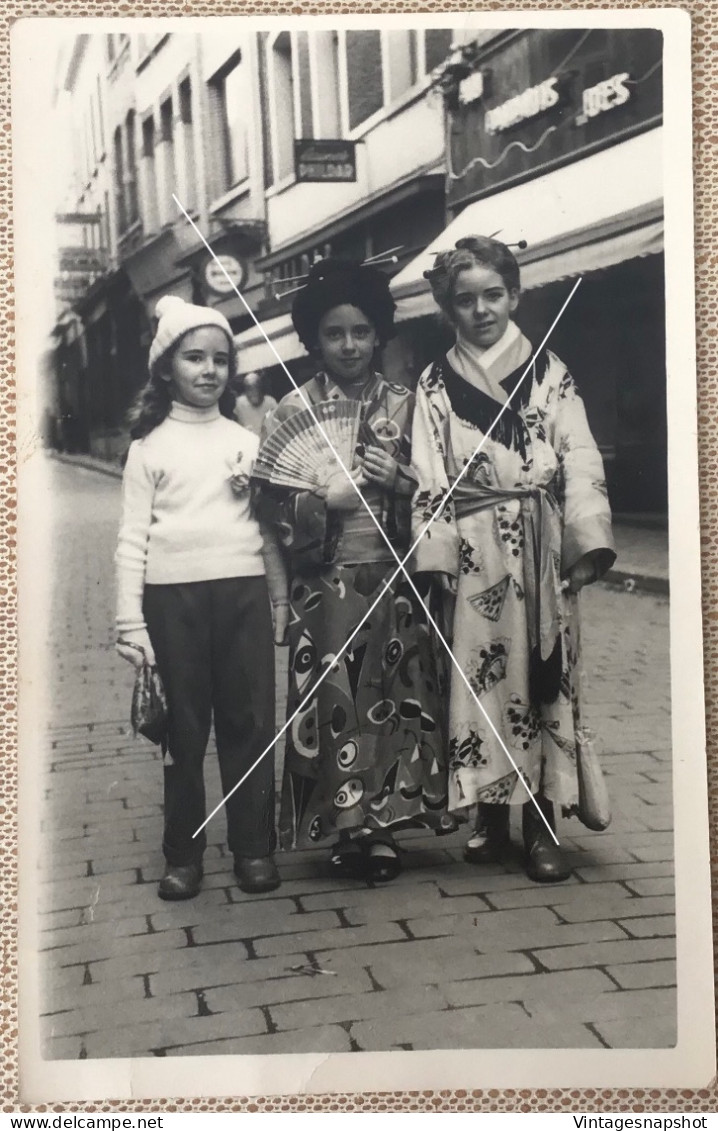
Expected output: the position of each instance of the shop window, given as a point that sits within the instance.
(365, 88)
(281, 93)
(401, 63)
(325, 73)
(229, 100)
(437, 45)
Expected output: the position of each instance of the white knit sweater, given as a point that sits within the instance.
(181, 521)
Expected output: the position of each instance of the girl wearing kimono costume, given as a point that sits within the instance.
(525, 528)
(365, 756)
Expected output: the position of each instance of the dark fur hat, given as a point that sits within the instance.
(339, 282)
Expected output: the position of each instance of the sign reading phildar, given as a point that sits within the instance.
(329, 160)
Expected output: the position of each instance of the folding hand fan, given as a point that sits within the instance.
(296, 454)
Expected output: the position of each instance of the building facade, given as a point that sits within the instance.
(372, 89)
(207, 124)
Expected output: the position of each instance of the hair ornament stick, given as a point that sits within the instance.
(291, 291)
(380, 255)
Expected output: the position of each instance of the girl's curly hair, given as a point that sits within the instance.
(468, 252)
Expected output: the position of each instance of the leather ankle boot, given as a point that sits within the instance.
(490, 841)
(544, 862)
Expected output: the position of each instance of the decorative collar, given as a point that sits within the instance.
(189, 414)
(487, 369)
(333, 391)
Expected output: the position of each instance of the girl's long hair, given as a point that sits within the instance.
(153, 402)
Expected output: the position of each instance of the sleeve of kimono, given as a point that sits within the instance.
(405, 482)
(133, 539)
(438, 550)
(587, 515)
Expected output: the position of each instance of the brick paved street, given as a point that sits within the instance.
(448, 956)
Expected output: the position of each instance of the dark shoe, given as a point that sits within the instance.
(347, 860)
(382, 859)
(490, 841)
(180, 881)
(256, 873)
(544, 862)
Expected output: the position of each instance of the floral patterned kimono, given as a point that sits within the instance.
(532, 503)
(367, 750)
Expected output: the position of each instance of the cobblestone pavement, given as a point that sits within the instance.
(448, 956)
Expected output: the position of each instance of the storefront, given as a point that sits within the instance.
(554, 138)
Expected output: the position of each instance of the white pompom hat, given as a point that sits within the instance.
(177, 318)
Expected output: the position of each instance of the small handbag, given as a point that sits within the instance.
(594, 807)
(148, 712)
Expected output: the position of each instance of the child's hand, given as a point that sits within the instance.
(280, 618)
(380, 467)
(582, 573)
(341, 496)
(136, 647)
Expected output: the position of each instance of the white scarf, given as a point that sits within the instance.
(486, 369)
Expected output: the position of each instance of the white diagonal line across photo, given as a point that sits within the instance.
(400, 562)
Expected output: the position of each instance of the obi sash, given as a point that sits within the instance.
(541, 522)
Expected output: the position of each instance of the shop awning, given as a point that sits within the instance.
(255, 353)
(586, 216)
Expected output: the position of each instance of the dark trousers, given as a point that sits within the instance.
(215, 654)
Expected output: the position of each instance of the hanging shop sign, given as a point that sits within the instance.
(218, 268)
(83, 260)
(330, 160)
(554, 94)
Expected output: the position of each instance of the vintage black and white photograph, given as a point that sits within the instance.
(360, 377)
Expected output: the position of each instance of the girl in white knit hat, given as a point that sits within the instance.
(193, 568)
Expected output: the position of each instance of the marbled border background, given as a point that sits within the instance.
(704, 16)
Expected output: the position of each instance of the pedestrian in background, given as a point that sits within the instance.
(253, 404)
(526, 527)
(193, 595)
(365, 754)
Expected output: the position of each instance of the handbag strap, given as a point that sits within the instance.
(140, 649)
(131, 644)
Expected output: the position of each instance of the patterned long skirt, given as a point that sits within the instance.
(367, 747)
